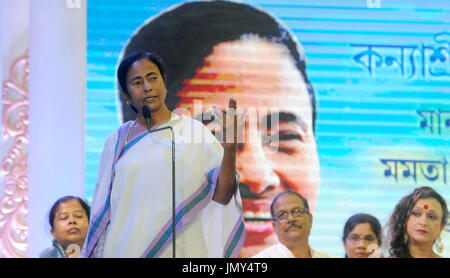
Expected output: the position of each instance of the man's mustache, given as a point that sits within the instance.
(293, 225)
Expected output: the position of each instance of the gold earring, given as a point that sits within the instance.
(439, 245)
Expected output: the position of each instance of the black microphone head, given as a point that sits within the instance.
(146, 112)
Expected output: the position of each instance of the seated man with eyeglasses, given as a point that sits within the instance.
(292, 223)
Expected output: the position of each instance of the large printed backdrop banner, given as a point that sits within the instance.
(381, 78)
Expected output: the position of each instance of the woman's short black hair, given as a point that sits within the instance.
(65, 199)
(361, 218)
(126, 63)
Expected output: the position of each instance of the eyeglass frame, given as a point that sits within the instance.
(302, 214)
(355, 238)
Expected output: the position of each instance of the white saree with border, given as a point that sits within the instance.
(131, 213)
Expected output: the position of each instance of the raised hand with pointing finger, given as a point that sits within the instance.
(230, 120)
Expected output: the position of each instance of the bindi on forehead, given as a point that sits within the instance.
(425, 206)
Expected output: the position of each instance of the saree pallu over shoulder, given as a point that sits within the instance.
(135, 212)
(100, 209)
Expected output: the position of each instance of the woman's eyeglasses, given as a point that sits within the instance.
(356, 238)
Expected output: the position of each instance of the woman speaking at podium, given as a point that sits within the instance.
(132, 205)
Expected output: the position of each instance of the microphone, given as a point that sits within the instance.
(147, 116)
